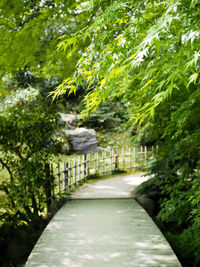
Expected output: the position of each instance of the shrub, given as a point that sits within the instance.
(27, 127)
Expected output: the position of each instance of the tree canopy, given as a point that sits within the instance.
(143, 50)
(147, 54)
(30, 32)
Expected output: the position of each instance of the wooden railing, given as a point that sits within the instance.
(74, 171)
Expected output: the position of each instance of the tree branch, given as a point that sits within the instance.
(8, 169)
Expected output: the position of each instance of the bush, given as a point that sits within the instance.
(27, 127)
(108, 116)
(179, 211)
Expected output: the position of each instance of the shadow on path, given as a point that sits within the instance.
(103, 227)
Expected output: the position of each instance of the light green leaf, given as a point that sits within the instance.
(193, 78)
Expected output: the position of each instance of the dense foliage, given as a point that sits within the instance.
(30, 32)
(27, 128)
(143, 54)
(27, 140)
(147, 53)
(108, 116)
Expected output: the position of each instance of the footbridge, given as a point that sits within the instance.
(102, 225)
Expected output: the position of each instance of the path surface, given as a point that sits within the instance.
(102, 226)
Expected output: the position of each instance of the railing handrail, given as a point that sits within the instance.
(97, 164)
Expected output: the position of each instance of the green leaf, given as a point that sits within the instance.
(193, 78)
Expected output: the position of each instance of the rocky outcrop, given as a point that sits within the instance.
(80, 140)
(83, 140)
(69, 120)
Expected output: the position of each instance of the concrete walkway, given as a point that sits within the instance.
(103, 226)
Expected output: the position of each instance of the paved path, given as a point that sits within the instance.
(102, 226)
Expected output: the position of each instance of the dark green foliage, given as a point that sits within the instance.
(186, 245)
(109, 116)
(30, 32)
(177, 202)
(28, 124)
(27, 128)
(179, 213)
(144, 135)
(16, 242)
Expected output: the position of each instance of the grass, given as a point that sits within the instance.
(109, 139)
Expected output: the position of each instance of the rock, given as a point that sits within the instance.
(69, 120)
(83, 140)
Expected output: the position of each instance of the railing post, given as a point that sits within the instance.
(85, 166)
(117, 160)
(78, 170)
(134, 158)
(69, 173)
(104, 163)
(145, 155)
(97, 163)
(64, 186)
(141, 156)
(74, 172)
(111, 160)
(122, 158)
(52, 174)
(82, 167)
(58, 177)
(65, 176)
(47, 187)
(88, 166)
